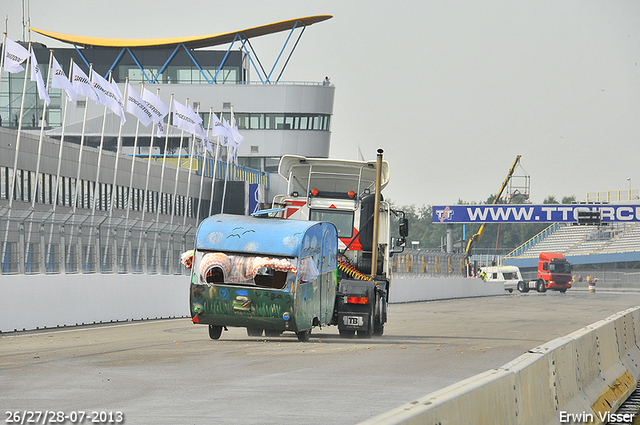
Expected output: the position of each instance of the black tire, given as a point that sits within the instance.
(271, 332)
(540, 286)
(347, 333)
(364, 334)
(563, 290)
(378, 322)
(215, 332)
(303, 336)
(378, 330)
(254, 332)
(510, 290)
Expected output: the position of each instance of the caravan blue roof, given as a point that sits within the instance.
(237, 233)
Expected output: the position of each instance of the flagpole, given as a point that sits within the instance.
(164, 157)
(133, 162)
(4, 46)
(146, 182)
(118, 154)
(60, 150)
(175, 186)
(64, 120)
(44, 111)
(204, 164)
(226, 174)
(84, 122)
(191, 149)
(215, 166)
(96, 190)
(15, 158)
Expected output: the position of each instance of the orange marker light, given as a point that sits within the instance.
(351, 194)
(314, 192)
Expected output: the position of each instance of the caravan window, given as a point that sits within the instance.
(244, 270)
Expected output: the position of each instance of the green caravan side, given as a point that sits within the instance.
(263, 274)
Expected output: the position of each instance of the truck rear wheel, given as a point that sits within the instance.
(523, 286)
(347, 333)
(215, 332)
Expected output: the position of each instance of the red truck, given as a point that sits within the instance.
(554, 272)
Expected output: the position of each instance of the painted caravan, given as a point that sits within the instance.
(265, 274)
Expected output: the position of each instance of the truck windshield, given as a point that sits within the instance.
(343, 220)
(560, 268)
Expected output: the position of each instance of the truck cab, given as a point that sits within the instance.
(554, 272)
(342, 192)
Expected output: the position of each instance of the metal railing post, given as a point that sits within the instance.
(41, 254)
(63, 251)
(21, 248)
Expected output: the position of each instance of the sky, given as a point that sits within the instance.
(452, 90)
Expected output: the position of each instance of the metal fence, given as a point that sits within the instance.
(43, 243)
(419, 263)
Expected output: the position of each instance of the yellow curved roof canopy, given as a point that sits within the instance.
(193, 42)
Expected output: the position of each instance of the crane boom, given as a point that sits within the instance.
(478, 234)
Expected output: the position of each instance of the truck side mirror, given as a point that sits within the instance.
(404, 227)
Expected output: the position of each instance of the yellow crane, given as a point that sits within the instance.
(478, 234)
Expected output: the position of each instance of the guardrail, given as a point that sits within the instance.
(579, 378)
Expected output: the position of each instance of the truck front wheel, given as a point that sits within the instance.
(540, 287)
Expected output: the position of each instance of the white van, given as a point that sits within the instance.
(509, 274)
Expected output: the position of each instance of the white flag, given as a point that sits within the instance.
(108, 95)
(184, 118)
(138, 108)
(82, 85)
(219, 130)
(237, 137)
(36, 76)
(59, 80)
(157, 108)
(14, 55)
(232, 140)
(202, 133)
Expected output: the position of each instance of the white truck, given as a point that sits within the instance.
(343, 192)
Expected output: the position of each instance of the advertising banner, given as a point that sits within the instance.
(547, 213)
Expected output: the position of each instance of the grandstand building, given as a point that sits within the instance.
(78, 208)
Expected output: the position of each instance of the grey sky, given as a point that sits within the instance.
(451, 90)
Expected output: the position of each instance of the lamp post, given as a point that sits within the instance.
(629, 180)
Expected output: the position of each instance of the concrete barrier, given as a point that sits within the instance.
(579, 378)
(408, 289)
(50, 301)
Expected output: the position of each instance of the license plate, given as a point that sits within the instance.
(353, 321)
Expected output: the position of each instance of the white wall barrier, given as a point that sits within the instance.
(407, 289)
(50, 301)
(579, 378)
